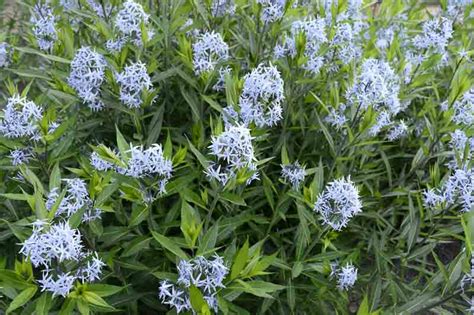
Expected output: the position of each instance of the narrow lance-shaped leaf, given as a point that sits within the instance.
(240, 261)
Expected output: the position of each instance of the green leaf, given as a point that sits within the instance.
(139, 214)
(297, 269)
(49, 57)
(106, 193)
(22, 298)
(11, 279)
(103, 290)
(83, 307)
(417, 303)
(208, 242)
(22, 197)
(95, 299)
(303, 234)
(138, 244)
(257, 288)
(240, 261)
(169, 245)
(211, 102)
(268, 189)
(76, 219)
(154, 127)
(417, 159)
(454, 273)
(192, 101)
(190, 223)
(284, 155)
(290, 294)
(180, 156)
(55, 177)
(364, 307)
(197, 301)
(57, 203)
(43, 304)
(32, 179)
(30, 74)
(121, 142)
(168, 149)
(67, 307)
(233, 198)
(40, 207)
(201, 158)
(467, 221)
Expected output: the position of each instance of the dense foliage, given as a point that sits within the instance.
(237, 157)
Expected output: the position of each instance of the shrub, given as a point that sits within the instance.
(237, 157)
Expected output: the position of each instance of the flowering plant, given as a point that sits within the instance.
(237, 157)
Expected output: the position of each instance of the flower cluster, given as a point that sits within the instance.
(314, 31)
(336, 117)
(230, 116)
(346, 275)
(61, 284)
(91, 270)
(338, 203)
(139, 164)
(458, 189)
(385, 36)
(20, 156)
(455, 9)
(398, 131)
(412, 59)
(346, 44)
(376, 85)
(436, 35)
(87, 76)
(133, 81)
(76, 198)
(464, 109)
(209, 50)
(128, 22)
(187, 28)
(272, 10)
(293, 174)
(354, 8)
(99, 163)
(59, 243)
(21, 118)
(44, 29)
(458, 143)
(69, 5)
(287, 48)
(49, 246)
(384, 119)
(101, 9)
(52, 126)
(234, 151)
(262, 95)
(220, 84)
(149, 162)
(220, 8)
(5, 54)
(234, 146)
(205, 274)
(315, 35)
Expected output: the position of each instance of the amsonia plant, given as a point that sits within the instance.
(237, 157)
